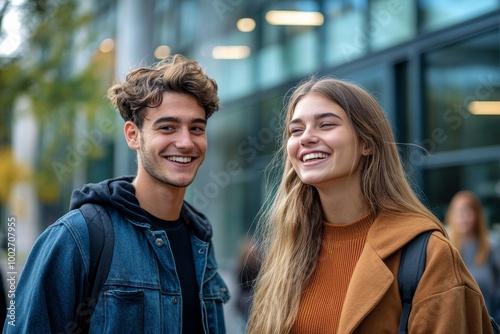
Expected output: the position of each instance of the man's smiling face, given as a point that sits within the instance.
(172, 140)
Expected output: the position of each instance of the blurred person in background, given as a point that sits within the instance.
(163, 276)
(468, 229)
(247, 270)
(341, 215)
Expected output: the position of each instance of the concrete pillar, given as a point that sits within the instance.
(134, 47)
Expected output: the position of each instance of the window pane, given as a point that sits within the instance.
(371, 79)
(188, 27)
(391, 22)
(345, 36)
(303, 53)
(438, 14)
(454, 76)
(272, 70)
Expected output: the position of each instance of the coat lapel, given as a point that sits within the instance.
(369, 283)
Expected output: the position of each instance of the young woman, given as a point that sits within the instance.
(338, 221)
(469, 233)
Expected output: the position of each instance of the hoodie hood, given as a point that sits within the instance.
(119, 193)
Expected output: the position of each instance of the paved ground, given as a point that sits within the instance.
(235, 324)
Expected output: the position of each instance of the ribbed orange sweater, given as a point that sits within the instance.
(322, 300)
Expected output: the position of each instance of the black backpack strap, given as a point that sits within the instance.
(101, 244)
(495, 326)
(411, 268)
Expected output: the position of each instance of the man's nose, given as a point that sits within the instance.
(184, 139)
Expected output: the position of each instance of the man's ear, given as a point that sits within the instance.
(132, 134)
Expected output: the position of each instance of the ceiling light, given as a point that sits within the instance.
(485, 107)
(294, 18)
(231, 52)
(107, 45)
(162, 52)
(246, 25)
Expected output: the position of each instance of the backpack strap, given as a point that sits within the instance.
(101, 244)
(495, 326)
(411, 268)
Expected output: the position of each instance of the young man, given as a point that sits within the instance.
(162, 277)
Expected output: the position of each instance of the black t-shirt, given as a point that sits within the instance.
(180, 242)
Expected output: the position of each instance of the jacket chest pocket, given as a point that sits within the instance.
(123, 312)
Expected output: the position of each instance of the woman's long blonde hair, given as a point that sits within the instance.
(291, 226)
(480, 228)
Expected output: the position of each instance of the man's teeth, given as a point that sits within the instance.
(180, 159)
(311, 156)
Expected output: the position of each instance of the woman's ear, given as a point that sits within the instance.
(366, 150)
(132, 134)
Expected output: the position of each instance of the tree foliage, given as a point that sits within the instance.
(58, 69)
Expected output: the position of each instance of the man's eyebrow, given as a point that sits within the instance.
(199, 120)
(317, 117)
(171, 119)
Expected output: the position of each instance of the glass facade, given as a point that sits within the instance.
(454, 76)
(424, 81)
(423, 60)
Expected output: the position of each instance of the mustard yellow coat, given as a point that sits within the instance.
(447, 300)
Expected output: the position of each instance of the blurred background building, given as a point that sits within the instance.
(433, 65)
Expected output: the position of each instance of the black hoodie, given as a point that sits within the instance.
(119, 193)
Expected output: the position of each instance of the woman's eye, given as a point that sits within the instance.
(295, 130)
(326, 125)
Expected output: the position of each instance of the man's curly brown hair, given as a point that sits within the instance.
(144, 87)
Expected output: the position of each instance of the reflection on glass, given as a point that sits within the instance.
(188, 27)
(303, 53)
(346, 38)
(442, 13)
(371, 79)
(272, 70)
(391, 22)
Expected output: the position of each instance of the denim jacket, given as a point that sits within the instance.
(142, 293)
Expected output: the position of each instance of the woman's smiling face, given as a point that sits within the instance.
(322, 145)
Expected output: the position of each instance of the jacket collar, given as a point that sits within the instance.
(390, 232)
(197, 221)
(371, 278)
(369, 283)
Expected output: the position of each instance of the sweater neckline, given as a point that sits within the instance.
(354, 230)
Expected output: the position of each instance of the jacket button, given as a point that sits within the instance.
(159, 242)
(174, 300)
